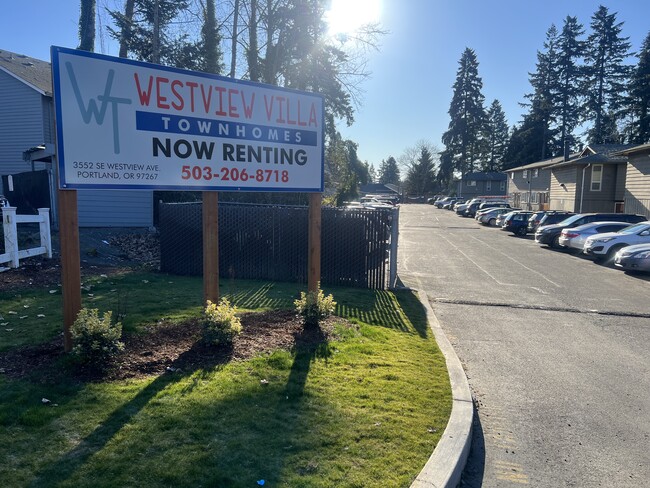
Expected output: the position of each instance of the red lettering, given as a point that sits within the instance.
(181, 102)
(248, 109)
(289, 121)
(221, 90)
(160, 100)
(192, 86)
(312, 116)
(269, 107)
(145, 96)
(300, 122)
(232, 108)
(206, 101)
(280, 120)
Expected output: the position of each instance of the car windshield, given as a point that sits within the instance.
(634, 229)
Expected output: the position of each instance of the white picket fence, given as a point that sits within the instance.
(10, 222)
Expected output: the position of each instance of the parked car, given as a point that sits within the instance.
(488, 216)
(549, 217)
(476, 204)
(575, 237)
(604, 246)
(450, 204)
(501, 218)
(549, 235)
(517, 222)
(460, 206)
(441, 201)
(493, 204)
(534, 220)
(633, 258)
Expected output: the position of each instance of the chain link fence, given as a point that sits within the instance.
(270, 243)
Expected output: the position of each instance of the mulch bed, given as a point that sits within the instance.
(169, 348)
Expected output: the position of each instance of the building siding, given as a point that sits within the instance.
(115, 208)
(21, 123)
(598, 201)
(637, 184)
(561, 198)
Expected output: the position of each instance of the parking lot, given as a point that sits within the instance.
(554, 346)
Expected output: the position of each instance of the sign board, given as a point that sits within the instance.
(123, 124)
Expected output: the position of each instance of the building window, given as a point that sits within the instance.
(471, 182)
(535, 173)
(502, 186)
(535, 196)
(596, 177)
(512, 175)
(525, 173)
(488, 185)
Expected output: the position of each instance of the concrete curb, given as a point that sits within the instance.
(444, 467)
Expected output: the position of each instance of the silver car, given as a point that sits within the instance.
(574, 238)
(489, 216)
(633, 258)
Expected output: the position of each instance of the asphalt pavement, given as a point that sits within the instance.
(554, 347)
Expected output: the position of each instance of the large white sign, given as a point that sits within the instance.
(126, 124)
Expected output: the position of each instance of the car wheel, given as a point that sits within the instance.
(492, 222)
(556, 242)
(612, 252)
(521, 231)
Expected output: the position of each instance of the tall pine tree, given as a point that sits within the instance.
(389, 171)
(638, 103)
(496, 137)
(463, 138)
(606, 77)
(568, 112)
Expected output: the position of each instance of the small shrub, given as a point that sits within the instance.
(95, 340)
(314, 306)
(220, 323)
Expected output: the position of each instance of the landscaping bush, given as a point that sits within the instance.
(95, 340)
(314, 306)
(220, 323)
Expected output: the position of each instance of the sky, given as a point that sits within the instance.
(407, 97)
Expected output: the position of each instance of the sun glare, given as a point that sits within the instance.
(346, 16)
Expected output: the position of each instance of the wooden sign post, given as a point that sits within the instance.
(70, 262)
(313, 260)
(210, 246)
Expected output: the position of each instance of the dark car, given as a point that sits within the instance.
(550, 234)
(517, 222)
(534, 220)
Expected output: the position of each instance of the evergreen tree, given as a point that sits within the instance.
(638, 102)
(87, 25)
(496, 137)
(211, 52)
(463, 138)
(445, 176)
(538, 126)
(526, 141)
(146, 35)
(421, 177)
(606, 76)
(389, 171)
(569, 82)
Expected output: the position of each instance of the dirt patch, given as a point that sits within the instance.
(169, 348)
(102, 251)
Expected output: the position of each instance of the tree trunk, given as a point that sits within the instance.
(126, 32)
(233, 55)
(253, 64)
(87, 26)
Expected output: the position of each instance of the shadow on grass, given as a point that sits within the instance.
(65, 467)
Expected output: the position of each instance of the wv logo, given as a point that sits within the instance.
(92, 110)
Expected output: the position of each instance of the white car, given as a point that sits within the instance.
(604, 246)
(575, 237)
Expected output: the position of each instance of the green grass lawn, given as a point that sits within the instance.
(366, 410)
